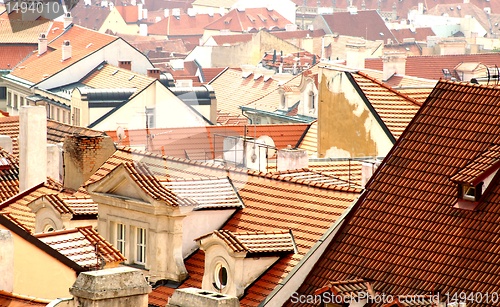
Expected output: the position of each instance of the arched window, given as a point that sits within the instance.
(220, 276)
(312, 102)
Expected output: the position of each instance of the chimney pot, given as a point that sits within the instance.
(154, 73)
(66, 50)
(125, 64)
(42, 43)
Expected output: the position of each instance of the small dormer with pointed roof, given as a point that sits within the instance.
(234, 260)
(474, 179)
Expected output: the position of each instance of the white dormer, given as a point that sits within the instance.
(233, 260)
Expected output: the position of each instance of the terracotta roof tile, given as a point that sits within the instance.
(477, 168)
(369, 25)
(83, 42)
(210, 73)
(205, 143)
(404, 233)
(248, 19)
(184, 25)
(310, 140)
(418, 34)
(82, 245)
(232, 39)
(430, 67)
(256, 242)
(12, 54)
(9, 175)
(226, 119)
(23, 32)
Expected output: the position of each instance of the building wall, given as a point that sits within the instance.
(169, 111)
(116, 24)
(34, 271)
(346, 127)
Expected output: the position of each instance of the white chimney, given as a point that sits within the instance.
(166, 13)
(32, 146)
(291, 27)
(421, 8)
(143, 29)
(191, 11)
(144, 13)
(246, 70)
(139, 11)
(66, 50)
(268, 74)
(367, 170)
(393, 63)
(42, 43)
(292, 159)
(6, 261)
(54, 165)
(355, 54)
(68, 19)
(176, 12)
(6, 143)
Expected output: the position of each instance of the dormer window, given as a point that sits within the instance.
(312, 102)
(469, 192)
(220, 276)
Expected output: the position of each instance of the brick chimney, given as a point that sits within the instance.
(125, 65)
(42, 43)
(154, 73)
(83, 155)
(66, 50)
(32, 146)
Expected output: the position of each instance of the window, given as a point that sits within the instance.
(120, 238)
(9, 99)
(311, 101)
(150, 118)
(220, 276)
(76, 116)
(140, 255)
(3, 92)
(470, 192)
(283, 101)
(21, 101)
(15, 102)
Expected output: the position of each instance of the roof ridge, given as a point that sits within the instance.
(413, 100)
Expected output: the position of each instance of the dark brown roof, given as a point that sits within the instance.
(419, 34)
(404, 233)
(366, 24)
(89, 16)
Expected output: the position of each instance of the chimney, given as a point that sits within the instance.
(6, 143)
(292, 159)
(355, 54)
(82, 156)
(176, 12)
(125, 65)
(191, 12)
(42, 43)
(394, 63)
(32, 146)
(420, 9)
(6, 261)
(166, 13)
(143, 29)
(139, 11)
(121, 286)
(154, 73)
(246, 70)
(68, 20)
(54, 162)
(66, 50)
(193, 297)
(367, 170)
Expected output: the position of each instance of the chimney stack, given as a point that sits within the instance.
(154, 73)
(66, 50)
(32, 146)
(393, 63)
(6, 143)
(292, 159)
(42, 43)
(125, 65)
(68, 20)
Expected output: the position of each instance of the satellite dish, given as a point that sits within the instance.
(120, 133)
(267, 140)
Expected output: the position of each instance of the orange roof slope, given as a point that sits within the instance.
(129, 13)
(13, 54)
(404, 234)
(83, 245)
(9, 175)
(83, 42)
(206, 143)
(249, 19)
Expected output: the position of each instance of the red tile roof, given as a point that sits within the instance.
(419, 34)
(431, 67)
(270, 203)
(83, 245)
(9, 175)
(13, 54)
(210, 73)
(367, 24)
(205, 143)
(89, 16)
(249, 19)
(256, 242)
(83, 42)
(183, 26)
(404, 234)
(485, 163)
(130, 13)
(232, 39)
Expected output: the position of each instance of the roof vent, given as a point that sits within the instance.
(66, 50)
(42, 43)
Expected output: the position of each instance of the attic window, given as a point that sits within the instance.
(250, 17)
(220, 276)
(227, 20)
(470, 192)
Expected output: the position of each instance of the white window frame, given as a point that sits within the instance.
(121, 237)
(140, 245)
